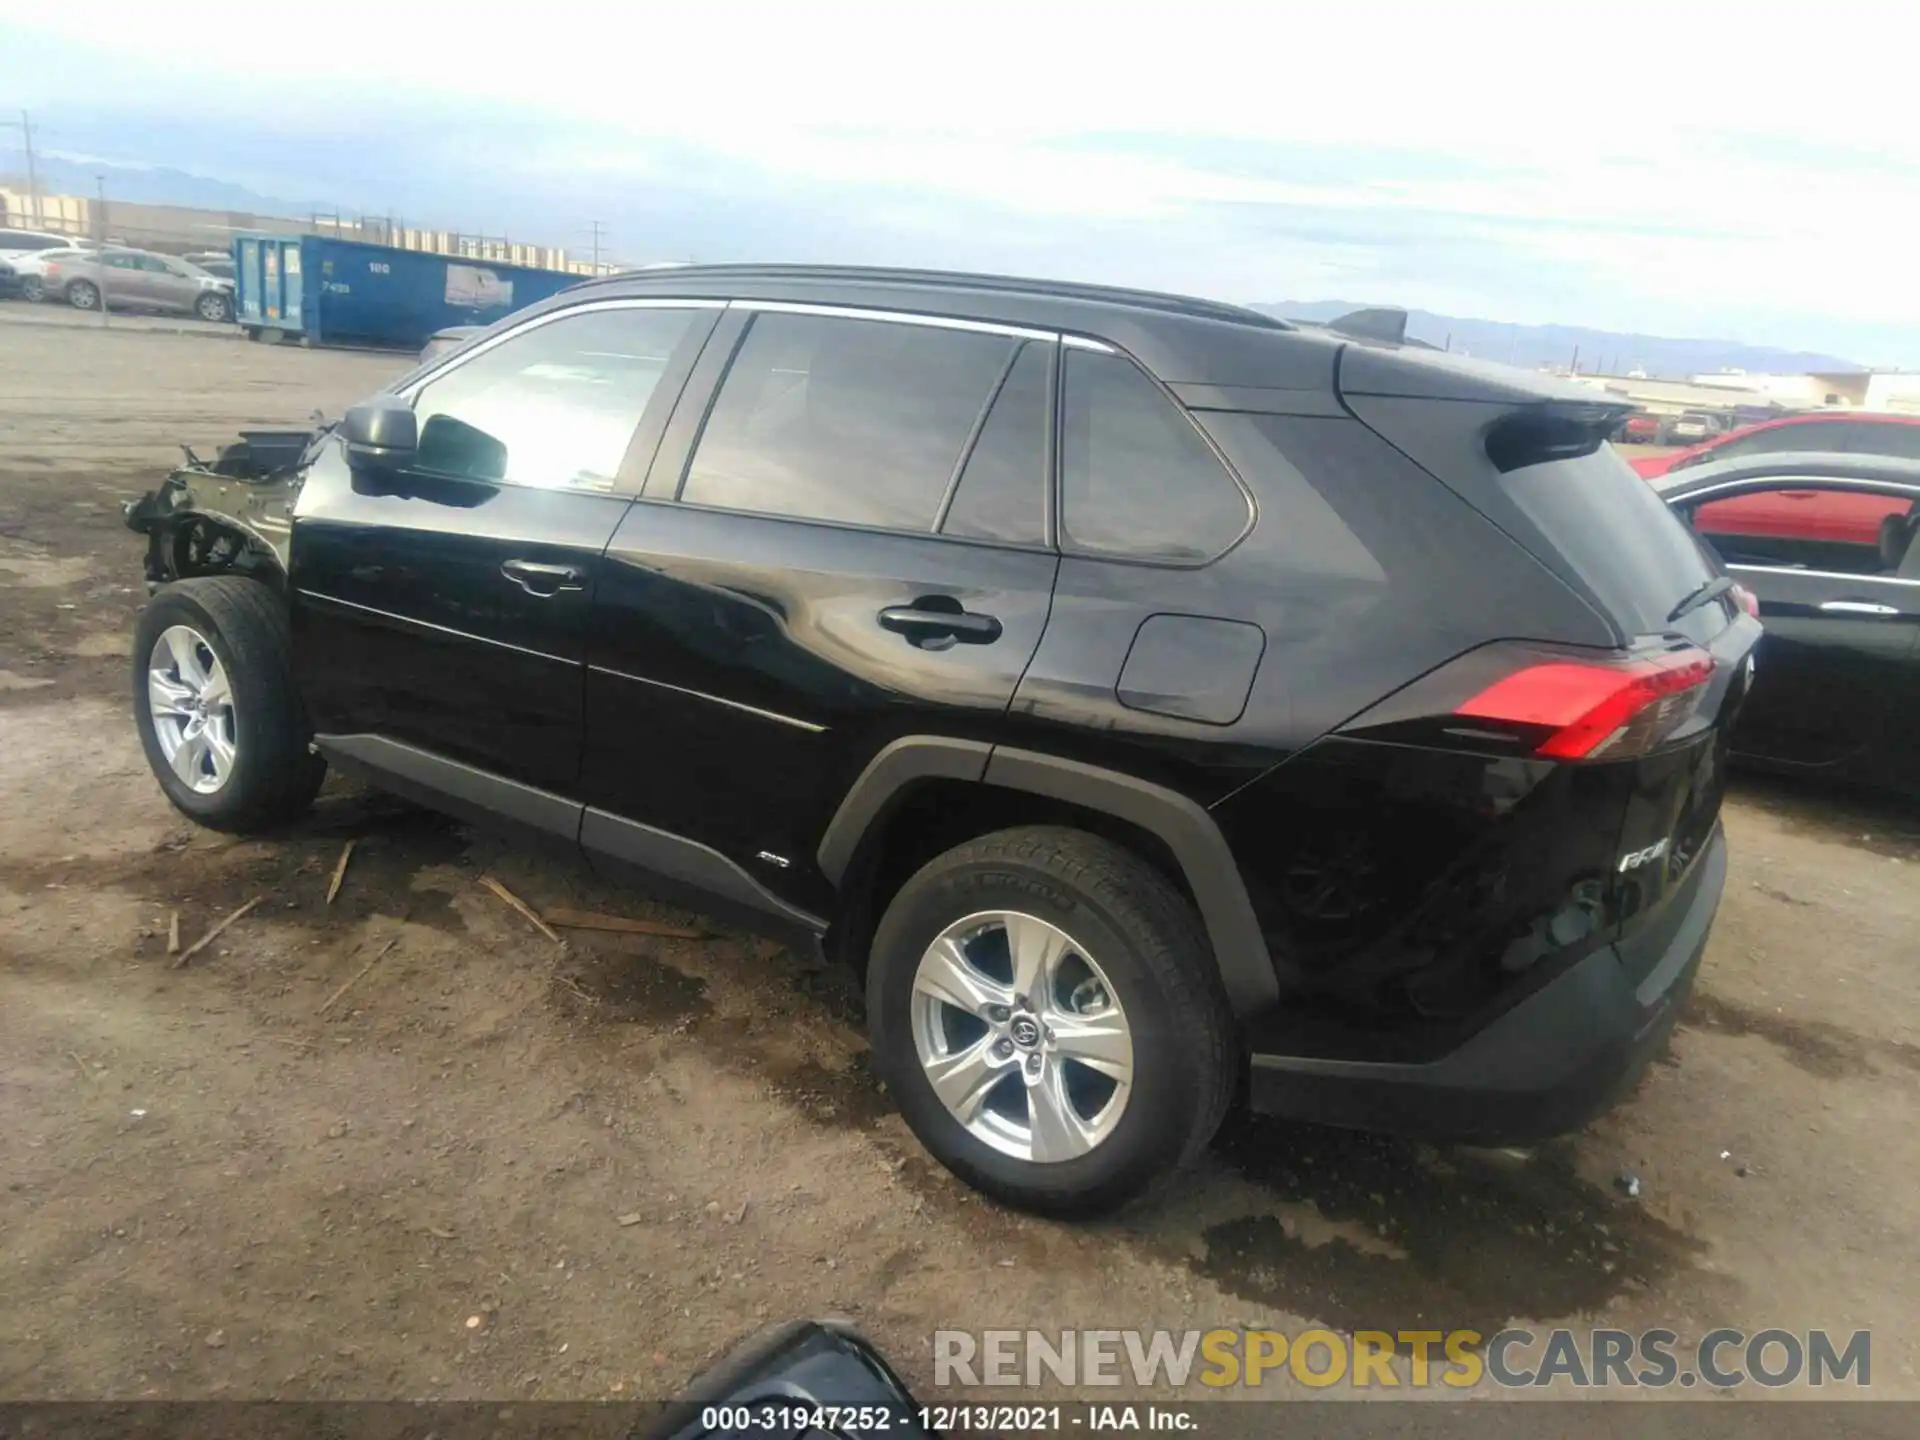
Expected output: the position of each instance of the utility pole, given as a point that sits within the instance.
(100, 189)
(598, 229)
(25, 126)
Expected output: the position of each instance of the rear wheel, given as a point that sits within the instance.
(1044, 1007)
(83, 295)
(214, 700)
(32, 287)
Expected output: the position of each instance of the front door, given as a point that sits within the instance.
(443, 609)
(1841, 613)
(847, 548)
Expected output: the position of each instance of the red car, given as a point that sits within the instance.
(1825, 514)
(1827, 433)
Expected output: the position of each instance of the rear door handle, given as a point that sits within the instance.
(1859, 607)
(935, 628)
(543, 580)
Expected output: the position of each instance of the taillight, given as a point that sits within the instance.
(1746, 600)
(1594, 710)
(52, 267)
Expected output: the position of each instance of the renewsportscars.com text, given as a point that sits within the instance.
(1460, 1359)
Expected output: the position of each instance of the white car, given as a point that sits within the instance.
(32, 268)
(16, 244)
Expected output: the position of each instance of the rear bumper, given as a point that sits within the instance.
(1547, 1066)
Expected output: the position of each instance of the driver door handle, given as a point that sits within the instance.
(937, 627)
(543, 580)
(1858, 607)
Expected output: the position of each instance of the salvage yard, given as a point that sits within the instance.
(402, 1144)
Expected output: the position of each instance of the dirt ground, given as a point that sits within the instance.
(403, 1146)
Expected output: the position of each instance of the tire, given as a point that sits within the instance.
(270, 776)
(1144, 940)
(83, 295)
(215, 307)
(32, 287)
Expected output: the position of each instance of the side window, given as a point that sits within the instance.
(1002, 490)
(1877, 437)
(552, 407)
(1136, 479)
(1803, 527)
(856, 421)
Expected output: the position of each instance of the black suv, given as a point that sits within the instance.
(1154, 701)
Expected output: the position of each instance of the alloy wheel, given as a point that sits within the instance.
(1022, 1037)
(191, 702)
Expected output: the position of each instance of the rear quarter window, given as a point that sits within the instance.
(1137, 480)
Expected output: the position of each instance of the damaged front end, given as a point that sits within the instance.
(230, 515)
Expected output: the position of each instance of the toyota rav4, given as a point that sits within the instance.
(1154, 702)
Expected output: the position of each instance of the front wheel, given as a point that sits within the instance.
(83, 295)
(214, 700)
(1044, 1007)
(215, 307)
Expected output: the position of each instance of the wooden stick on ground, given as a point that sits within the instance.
(358, 974)
(340, 871)
(525, 909)
(213, 934)
(173, 933)
(620, 924)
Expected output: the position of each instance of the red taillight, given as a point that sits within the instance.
(1596, 711)
(52, 267)
(1746, 600)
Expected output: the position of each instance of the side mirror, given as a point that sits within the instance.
(381, 434)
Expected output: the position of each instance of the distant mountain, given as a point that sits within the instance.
(1531, 346)
(144, 185)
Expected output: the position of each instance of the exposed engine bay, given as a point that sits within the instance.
(231, 514)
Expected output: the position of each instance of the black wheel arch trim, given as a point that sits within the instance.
(1183, 825)
(899, 764)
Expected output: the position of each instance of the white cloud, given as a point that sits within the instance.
(1678, 154)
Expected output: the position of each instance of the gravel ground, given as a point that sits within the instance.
(403, 1146)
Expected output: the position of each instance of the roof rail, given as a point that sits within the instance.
(957, 280)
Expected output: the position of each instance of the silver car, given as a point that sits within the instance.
(136, 280)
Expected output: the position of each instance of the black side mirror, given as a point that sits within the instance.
(381, 434)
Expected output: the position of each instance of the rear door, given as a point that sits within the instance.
(1835, 665)
(123, 281)
(845, 546)
(444, 609)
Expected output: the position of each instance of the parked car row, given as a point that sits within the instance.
(85, 275)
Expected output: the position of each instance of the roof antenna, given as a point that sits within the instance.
(1377, 323)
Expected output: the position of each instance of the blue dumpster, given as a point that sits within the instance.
(322, 291)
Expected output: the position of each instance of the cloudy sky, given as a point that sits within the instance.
(1688, 168)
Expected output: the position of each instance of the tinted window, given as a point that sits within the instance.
(1613, 529)
(859, 421)
(553, 406)
(1002, 492)
(1798, 525)
(1874, 437)
(1136, 479)
(10, 241)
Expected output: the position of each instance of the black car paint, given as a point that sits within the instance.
(1835, 690)
(720, 704)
